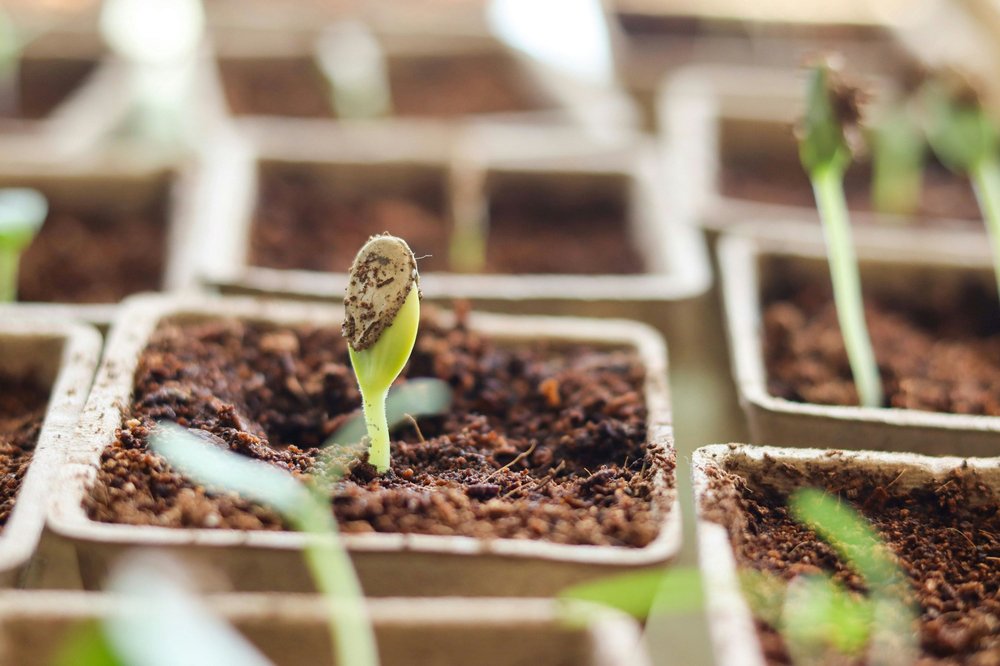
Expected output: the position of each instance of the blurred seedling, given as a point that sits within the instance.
(158, 621)
(22, 213)
(899, 154)
(354, 64)
(306, 507)
(469, 208)
(820, 621)
(966, 138)
(832, 115)
(381, 318)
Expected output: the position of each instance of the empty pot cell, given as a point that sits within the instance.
(544, 440)
(759, 162)
(421, 85)
(316, 216)
(936, 335)
(555, 223)
(104, 238)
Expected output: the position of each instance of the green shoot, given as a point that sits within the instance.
(10, 52)
(469, 210)
(966, 139)
(382, 314)
(414, 399)
(354, 64)
(307, 509)
(22, 212)
(898, 156)
(825, 153)
(660, 591)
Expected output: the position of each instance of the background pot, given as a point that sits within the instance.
(293, 630)
(891, 262)
(63, 356)
(388, 564)
(732, 627)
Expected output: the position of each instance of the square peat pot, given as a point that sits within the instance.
(910, 487)
(658, 40)
(936, 288)
(732, 154)
(46, 369)
(554, 201)
(68, 93)
(450, 559)
(291, 630)
(118, 224)
(435, 77)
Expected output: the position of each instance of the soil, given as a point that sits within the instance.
(945, 195)
(22, 409)
(940, 355)
(44, 83)
(532, 230)
(542, 442)
(96, 256)
(300, 224)
(420, 86)
(946, 538)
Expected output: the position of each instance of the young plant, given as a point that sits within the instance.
(381, 317)
(22, 212)
(160, 622)
(966, 138)
(354, 64)
(307, 508)
(10, 51)
(899, 152)
(469, 209)
(831, 112)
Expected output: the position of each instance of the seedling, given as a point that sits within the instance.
(967, 140)
(161, 622)
(469, 208)
(817, 617)
(831, 114)
(307, 508)
(899, 152)
(354, 64)
(410, 401)
(381, 317)
(22, 213)
(10, 51)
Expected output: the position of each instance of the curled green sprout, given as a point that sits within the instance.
(825, 153)
(966, 139)
(22, 212)
(381, 317)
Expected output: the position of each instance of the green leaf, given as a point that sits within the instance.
(87, 646)
(22, 212)
(661, 591)
(822, 142)
(958, 128)
(418, 398)
(819, 615)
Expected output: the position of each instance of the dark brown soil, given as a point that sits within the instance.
(300, 223)
(541, 443)
(532, 230)
(424, 86)
(97, 256)
(44, 83)
(946, 538)
(941, 356)
(22, 410)
(945, 195)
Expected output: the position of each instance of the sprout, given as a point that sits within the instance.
(965, 138)
(469, 210)
(22, 212)
(832, 112)
(381, 317)
(306, 507)
(10, 51)
(898, 154)
(354, 65)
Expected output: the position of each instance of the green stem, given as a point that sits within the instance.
(986, 181)
(828, 186)
(378, 432)
(350, 627)
(9, 263)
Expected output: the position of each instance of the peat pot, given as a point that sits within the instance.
(389, 564)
